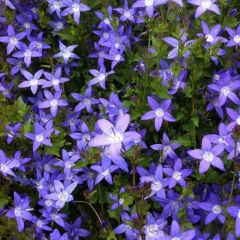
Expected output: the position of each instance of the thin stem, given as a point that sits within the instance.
(94, 210)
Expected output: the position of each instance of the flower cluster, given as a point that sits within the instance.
(129, 117)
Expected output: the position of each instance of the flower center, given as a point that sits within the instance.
(48, 203)
(159, 112)
(3, 168)
(55, 82)
(87, 101)
(27, 25)
(39, 45)
(127, 14)
(59, 25)
(121, 201)
(107, 21)
(39, 137)
(117, 45)
(66, 54)
(28, 53)
(34, 82)
(17, 212)
(206, 4)
(13, 40)
(216, 76)
(56, 5)
(216, 209)
(208, 156)
(156, 186)
(106, 35)
(239, 214)
(117, 137)
(237, 39)
(209, 38)
(225, 90)
(76, 7)
(63, 196)
(177, 175)
(117, 57)
(167, 149)
(101, 54)
(54, 103)
(152, 230)
(105, 173)
(101, 77)
(148, 3)
(47, 167)
(39, 223)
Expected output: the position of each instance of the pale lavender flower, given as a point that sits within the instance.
(204, 5)
(235, 36)
(208, 156)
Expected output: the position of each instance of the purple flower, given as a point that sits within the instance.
(214, 208)
(129, 231)
(205, 5)
(20, 211)
(126, 13)
(6, 165)
(33, 81)
(99, 77)
(148, 5)
(86, 100)
(226, 88)
(62, 193)
(74, 7)
(167, 147)
(40, 136)
(66, 52)
(54, 80)
(12, 131)
(12, 39)
(234, 211)
(153, 229)
(208, 156)
(55, 6)
(56, 235)
(159, 112)
(176, 174)
(17, 65)
(114, 136)
(53, 102)
(27, 52)
(235, 36)
(176, 233)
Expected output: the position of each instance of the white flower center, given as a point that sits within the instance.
(105, 173)
(63, 196)
(39, 223)
(39, 137)
(70, 176)
(3, 168)
(127, 14)
(17, 212)
(237, 39)
(48, 203)
(159, 112)
(101, 54)
(216, 76)
(167, 149)
(208, 156)
(56, 5)
(225, 90)
(13, 40)
(117, 45)
(59, 25)
(239, 214)
(86, 137)
(156, 186)
(206, 4)
(116, 137)
(34, 82)
(66, 54)
(76, 7)
(68, 165)
(121, 201)
(28, 53)
(177, 175)
(47, 167)
(101, 77)
(238, 120)
(55, 82)
(209, 38)
(54, 103)
(148, 3)
(39, 45)
(117, 57)
(87, 101)
(152, 230)
(106, 35)
(222, 140)
(27, 25)
(107, 21)
(216, 209)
